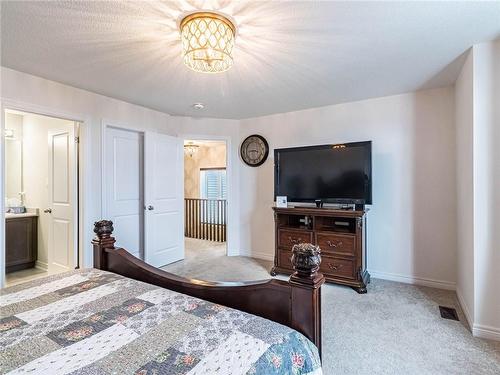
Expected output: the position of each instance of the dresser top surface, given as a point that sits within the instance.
(318, 211)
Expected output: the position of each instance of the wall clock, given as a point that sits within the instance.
(254, 150)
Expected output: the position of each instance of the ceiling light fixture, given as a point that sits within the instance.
(191, 149)
(207, 42)
(198, 106)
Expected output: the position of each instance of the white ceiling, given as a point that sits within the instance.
(288, 55)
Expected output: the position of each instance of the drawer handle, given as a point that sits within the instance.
(334, 267)
(295, 240)
(331, 244)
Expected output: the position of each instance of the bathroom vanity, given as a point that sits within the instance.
(20, 241)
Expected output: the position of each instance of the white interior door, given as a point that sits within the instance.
(164, 241)
(123, 182)
(62, 199)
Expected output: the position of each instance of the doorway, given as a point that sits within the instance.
(205, 199)
(141, 193)
(41, 195)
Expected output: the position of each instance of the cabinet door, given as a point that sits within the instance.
(19, 241)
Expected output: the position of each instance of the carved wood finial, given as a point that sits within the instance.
(103, 229)
(306, 259)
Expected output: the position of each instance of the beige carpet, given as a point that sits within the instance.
(394, 329)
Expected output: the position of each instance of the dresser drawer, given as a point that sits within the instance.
(285, 259)
(331, 266)
(340, 244)
(288, 238)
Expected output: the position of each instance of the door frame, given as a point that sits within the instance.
(82, 230)
(232, 245)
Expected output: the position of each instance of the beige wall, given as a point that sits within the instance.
(208, 156)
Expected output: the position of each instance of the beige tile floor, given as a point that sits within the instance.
(22, 276)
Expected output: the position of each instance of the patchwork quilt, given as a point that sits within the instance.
(95, 322)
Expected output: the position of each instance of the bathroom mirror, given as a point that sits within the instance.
(13, 155)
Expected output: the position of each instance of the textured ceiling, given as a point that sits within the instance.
(288, 55)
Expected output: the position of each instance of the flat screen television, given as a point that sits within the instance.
(339, 173)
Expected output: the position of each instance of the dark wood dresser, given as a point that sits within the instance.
(339, 233)
(21, 242)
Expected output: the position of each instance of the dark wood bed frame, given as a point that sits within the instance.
(295, 303)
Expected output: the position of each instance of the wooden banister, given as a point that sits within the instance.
(205, 219)
(295, 303)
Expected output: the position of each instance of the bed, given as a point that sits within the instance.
(126, 317)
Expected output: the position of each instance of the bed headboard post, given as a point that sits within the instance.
(103, 230)
(306, 293)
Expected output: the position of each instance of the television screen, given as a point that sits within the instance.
(333, 173)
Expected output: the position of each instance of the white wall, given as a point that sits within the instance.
(13, 156)
(26, 92)
(411, 225)
(465, 202)
(477, 112)
(486, 93)
(36, 173)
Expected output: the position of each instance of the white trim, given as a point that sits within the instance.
(232, 245)
(85, 176)
(42, 265)
(464, 308)
(257, 255)
(486, 332)
(440, 284)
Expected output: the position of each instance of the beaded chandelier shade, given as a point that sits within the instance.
(207, 42)
(191, 149)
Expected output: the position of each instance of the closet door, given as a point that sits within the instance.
(123, 182)
(164, 188)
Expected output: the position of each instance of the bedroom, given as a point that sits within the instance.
(420, 81)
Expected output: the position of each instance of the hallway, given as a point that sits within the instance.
(207, 260)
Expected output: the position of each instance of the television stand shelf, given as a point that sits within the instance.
(339, 233)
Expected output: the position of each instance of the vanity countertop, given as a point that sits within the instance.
(26, 214)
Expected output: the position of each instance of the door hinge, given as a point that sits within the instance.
(77, 139)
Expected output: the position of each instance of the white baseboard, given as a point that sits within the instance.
(478, 330)
(42, 265)
(440, 284)
(257, 254)
(465, 308)
(486, 332)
